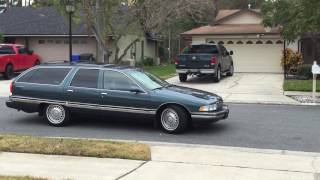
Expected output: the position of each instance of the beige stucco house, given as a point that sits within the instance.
(45, 31)
(256, 48)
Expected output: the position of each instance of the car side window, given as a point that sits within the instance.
(113, 80)
(86, 78)
(51, 76)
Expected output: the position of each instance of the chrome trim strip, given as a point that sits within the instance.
(85, 105)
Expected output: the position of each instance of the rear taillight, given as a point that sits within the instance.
(213, 61)
(11, 87)
(176, 61)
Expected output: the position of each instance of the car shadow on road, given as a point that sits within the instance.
(202, 80)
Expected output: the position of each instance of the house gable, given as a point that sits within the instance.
(242, 17)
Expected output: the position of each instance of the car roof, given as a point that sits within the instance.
(86, 65)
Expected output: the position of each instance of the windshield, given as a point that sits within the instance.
(148, 80)
(6, 50)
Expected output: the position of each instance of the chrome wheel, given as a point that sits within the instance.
(169, 119)
(56, 114)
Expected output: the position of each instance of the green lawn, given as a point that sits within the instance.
(164, 71)
(299, 85)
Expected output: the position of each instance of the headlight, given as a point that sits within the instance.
(211, 107)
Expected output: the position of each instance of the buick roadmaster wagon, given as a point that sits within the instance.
(60, 90)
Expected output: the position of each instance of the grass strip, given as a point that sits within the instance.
(20, 178)
(299, 85)
(74, 147)
(164, 71)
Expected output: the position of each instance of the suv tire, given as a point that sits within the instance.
(231, 70)
(183, 77)
(174, 119)
(217, 75)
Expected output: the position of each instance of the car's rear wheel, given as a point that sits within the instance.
(56, 115)
(231, 70)
(174, 119)
(183, 77)
(9, 72)
(217, 75)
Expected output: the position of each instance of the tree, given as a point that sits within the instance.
(295, 17)
(239, 4)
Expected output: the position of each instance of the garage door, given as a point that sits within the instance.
(256, 55)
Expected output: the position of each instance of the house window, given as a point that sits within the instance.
(58, 41)
(41, 41)
(230, 42)
(269, 42)
(259, 42)
(239, 42)
(50, 41)
(210, 41)
(249, 42)
(220, 42)
(75, 41)
(279, 42)
(83, 41)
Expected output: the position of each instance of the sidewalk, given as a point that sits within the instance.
(172, 162)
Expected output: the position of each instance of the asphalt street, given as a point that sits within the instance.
(249, 125)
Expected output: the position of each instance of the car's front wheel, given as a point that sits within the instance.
(183, 77)
(174, 119)
(231, 70)
(56, 115)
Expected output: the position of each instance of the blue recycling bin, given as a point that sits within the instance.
(75, 58)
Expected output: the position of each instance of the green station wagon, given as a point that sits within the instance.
(58, 90)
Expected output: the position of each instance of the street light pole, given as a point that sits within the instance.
(70, 37)
(70, 8)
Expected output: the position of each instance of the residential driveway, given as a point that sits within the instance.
(242, 88)
(4, 87)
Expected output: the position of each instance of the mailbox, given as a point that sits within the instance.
(315, 68)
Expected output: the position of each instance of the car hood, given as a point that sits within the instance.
(190, 94)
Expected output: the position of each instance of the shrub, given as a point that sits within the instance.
(292, 61)
(304, 71)
(147, 61)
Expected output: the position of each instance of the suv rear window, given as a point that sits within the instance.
(52, 76)
(201, 49)
(6, 50)
(87, 78)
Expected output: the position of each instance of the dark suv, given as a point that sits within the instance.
(57, 91)
(205, 59)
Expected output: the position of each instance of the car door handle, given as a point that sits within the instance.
(70, 90)
(104, 94)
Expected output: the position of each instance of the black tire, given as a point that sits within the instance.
(56, 119)
(180, 113)
(9, 72)
(37, 63)
(183, 77)
(231, 70)
(217, 75)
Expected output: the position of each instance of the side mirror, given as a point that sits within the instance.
(30, 52)
(231, 53)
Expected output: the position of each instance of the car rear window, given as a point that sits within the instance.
(52, 76)
(201, 49)
(87, 78)
(6, 50)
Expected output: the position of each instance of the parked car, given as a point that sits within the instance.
(205, 59)
(15, 57)
(57, 91)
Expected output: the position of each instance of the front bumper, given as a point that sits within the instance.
(197, 71)
(210, 117)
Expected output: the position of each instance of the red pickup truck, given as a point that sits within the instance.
(14, 58)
